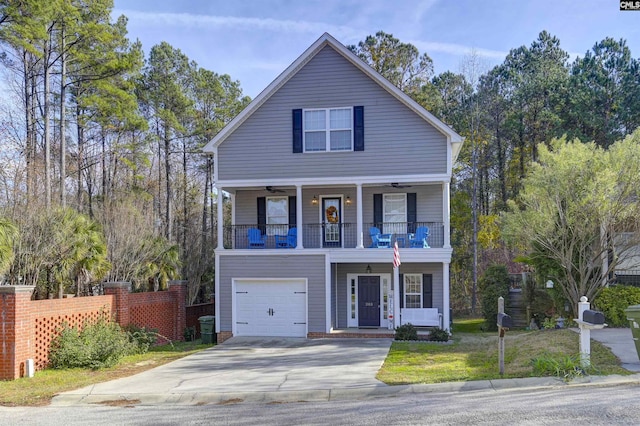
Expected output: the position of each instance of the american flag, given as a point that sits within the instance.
(396, 256)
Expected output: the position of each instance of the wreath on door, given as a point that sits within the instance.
(332, 214)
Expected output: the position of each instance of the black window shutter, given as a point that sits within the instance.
(401, 291)
(412, 213)
(292, 211)
(358, 128)
(377, 210)
(297, 130)
(427, 291)
(262, 213)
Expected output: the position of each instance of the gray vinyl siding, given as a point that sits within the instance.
(428, 203)
(310, 267)
(435, 269)
(397, 140)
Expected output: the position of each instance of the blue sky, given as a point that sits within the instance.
(255, 40)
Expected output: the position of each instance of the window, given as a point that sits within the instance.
(277, 215)
(394, 213)
(328, 129)
(412, 290)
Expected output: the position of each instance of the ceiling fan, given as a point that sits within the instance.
(397, 185)
(272, 190)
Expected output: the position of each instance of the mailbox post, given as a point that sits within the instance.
(504, 324)
(587, 320)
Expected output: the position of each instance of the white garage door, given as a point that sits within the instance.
(271, 308)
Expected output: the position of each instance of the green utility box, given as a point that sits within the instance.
(208, 329)
(633, 315)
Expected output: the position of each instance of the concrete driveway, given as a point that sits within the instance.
(242, 366)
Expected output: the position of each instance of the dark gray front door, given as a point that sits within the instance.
(368, 301)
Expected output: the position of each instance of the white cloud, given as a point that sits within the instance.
(457, 49)
(188, 20)
(418, 11)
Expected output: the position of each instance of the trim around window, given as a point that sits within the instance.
(413, 291)
(327, 129)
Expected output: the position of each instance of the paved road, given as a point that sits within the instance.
(572, 405)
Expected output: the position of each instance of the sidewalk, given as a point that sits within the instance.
(620, 341)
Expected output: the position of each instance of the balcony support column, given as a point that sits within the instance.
(299, 223)
(359, 216)
(445, 297)
(220, 224)
(445, 215)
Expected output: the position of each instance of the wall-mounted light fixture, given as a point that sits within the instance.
(368, 270)
(348, 200)
(315, 200)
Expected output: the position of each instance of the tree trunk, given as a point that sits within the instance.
(184, 209)
(80, 131)
(47, 141)
(63, 147)
(104, 165)
(205, 208)
(167, 172)
(28, 111)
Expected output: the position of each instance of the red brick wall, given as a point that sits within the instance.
(154, 310)
(28, 326)
(48, 317)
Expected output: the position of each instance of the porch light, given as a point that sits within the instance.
(368, 270)
(315, 200)
(348, 200)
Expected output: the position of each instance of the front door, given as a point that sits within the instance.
(331, 218)
(369, 301)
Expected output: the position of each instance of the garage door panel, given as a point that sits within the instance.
(271, 309)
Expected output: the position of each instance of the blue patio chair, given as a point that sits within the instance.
(287, 241)
(379, 240)
(419, 240)
(256, 239)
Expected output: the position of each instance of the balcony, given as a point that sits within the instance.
(333, 236)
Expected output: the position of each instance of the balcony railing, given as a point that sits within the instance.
(329, 235)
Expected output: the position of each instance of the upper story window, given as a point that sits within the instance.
(277, 215)
(394, 213)
(329, 129)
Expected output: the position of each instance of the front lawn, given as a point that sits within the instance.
(474, 356)
(39, 389)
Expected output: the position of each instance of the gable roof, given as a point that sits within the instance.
(327, 40)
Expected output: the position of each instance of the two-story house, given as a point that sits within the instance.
(327, 169)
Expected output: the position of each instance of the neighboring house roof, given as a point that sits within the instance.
(326, 39)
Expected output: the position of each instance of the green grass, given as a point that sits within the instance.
(469, 325)
(474, 356)
(39, 389)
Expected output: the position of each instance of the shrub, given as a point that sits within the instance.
(189, 334)
(612, 301)
(141, 338)
(98, 345)
(406, 332)
(549, 324)
(566, 367)
(439, 335)
(493, 284)
(541, 306)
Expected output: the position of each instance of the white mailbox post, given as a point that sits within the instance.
(587, 320)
